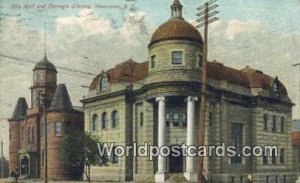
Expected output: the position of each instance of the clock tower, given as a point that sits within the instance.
(44, 81)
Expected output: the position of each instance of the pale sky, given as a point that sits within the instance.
(260, 33)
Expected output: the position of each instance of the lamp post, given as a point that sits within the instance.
(46, 102)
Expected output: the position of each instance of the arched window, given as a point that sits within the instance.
(104, 121)
(103, 84)
(95, 123)
(115, 119)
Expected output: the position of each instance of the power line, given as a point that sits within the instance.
(59, 67)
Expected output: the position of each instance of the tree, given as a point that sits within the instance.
(79, 149)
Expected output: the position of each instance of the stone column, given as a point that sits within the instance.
(191, 172)
(160, 175)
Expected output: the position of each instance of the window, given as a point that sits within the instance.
(237, 141)
(22, 133)
(103, 84)
(177, 57)
(265, 158)
(273, 157)
(282, 124)
(265, 121)
(114, 158)
(282, 156)
(153, 61)
(142, 119)
(267, 181)
(28, 135)
(9, 134)
(200, 60)
(183, 119)
(58, 128)
(95, 123)
(167, 119)
(274, 124)
(115, 119)
(175, 119)
(241, 179)
(104, 121)
(232, 179)
(210, 118)
(33, 135)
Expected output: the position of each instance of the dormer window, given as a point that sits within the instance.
(153, 61)
(275, 88)
(177, 57)
(103, 84)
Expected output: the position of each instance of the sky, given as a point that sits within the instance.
(94, 35)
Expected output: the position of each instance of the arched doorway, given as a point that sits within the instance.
(24, 166)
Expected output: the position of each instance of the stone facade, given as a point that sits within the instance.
(158, 103)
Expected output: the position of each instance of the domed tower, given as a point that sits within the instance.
(175, 50)
(44, 81)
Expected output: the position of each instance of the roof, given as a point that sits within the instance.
(248, 77)
(45, 64)
(175, 29)
(20, 110)
(61, 100)
(128, 71)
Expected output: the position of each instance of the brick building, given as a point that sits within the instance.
(158, 102)
(26, 127)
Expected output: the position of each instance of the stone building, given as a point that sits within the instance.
(158, 102)
(27, 132)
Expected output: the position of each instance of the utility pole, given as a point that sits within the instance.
(298, 92)
(205, 17)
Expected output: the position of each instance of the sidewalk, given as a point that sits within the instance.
(10, 180)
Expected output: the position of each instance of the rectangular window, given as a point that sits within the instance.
(266, 122)
(58, 128)
(273, 157)
(265, 158)
(167, 119)
(141, 119)
(153, 61)
(237, 141)
(274, 124)
(177, 57)
(183, 119)
(210, 118)
(282, 156)
(200, 60)
(282, 124)
(175, 119)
